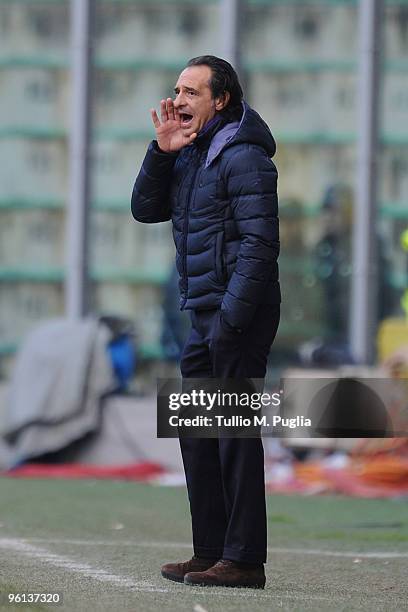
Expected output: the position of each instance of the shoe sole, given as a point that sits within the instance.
(172, 577)
(233, 586)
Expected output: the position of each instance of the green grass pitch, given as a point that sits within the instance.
(101, 544)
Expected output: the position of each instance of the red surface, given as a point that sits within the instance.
(135, 471)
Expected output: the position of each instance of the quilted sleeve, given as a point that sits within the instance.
(252, 191)
(150, 196)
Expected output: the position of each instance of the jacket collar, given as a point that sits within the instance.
(223, 136)
(206, 134)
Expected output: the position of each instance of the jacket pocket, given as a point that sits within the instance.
(220, 269)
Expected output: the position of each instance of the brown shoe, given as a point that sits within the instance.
(177, 571)
(229, 574)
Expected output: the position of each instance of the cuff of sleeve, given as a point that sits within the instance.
(157, 161)
(238, 319)
(225, 324)
(155, 145)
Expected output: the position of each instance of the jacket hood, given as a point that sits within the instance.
(251, 129)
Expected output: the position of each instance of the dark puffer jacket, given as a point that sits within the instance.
(220, 192)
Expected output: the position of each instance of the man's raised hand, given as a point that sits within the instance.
(169, 133)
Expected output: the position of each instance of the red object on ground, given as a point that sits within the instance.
(135, 471)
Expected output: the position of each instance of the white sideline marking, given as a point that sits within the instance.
(23, 547)
(34, 552)
(272, 550)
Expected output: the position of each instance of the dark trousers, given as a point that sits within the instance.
(225, 476)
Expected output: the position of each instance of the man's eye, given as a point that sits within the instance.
(192, 93)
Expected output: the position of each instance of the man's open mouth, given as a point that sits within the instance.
(185, 118)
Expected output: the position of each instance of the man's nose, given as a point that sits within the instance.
(179, 100)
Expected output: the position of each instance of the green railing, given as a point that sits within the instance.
(158, 64)
(130, 2)
(56, 275)
(208, 2)
(123, 134)
(288, 265)
(387, 210)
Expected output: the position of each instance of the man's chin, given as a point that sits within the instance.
(187, 131)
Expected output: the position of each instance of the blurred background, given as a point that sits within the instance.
(78, 394)
(299, 66)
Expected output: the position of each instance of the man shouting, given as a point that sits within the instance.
(210, 171)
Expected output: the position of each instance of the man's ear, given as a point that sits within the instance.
(222, 101)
